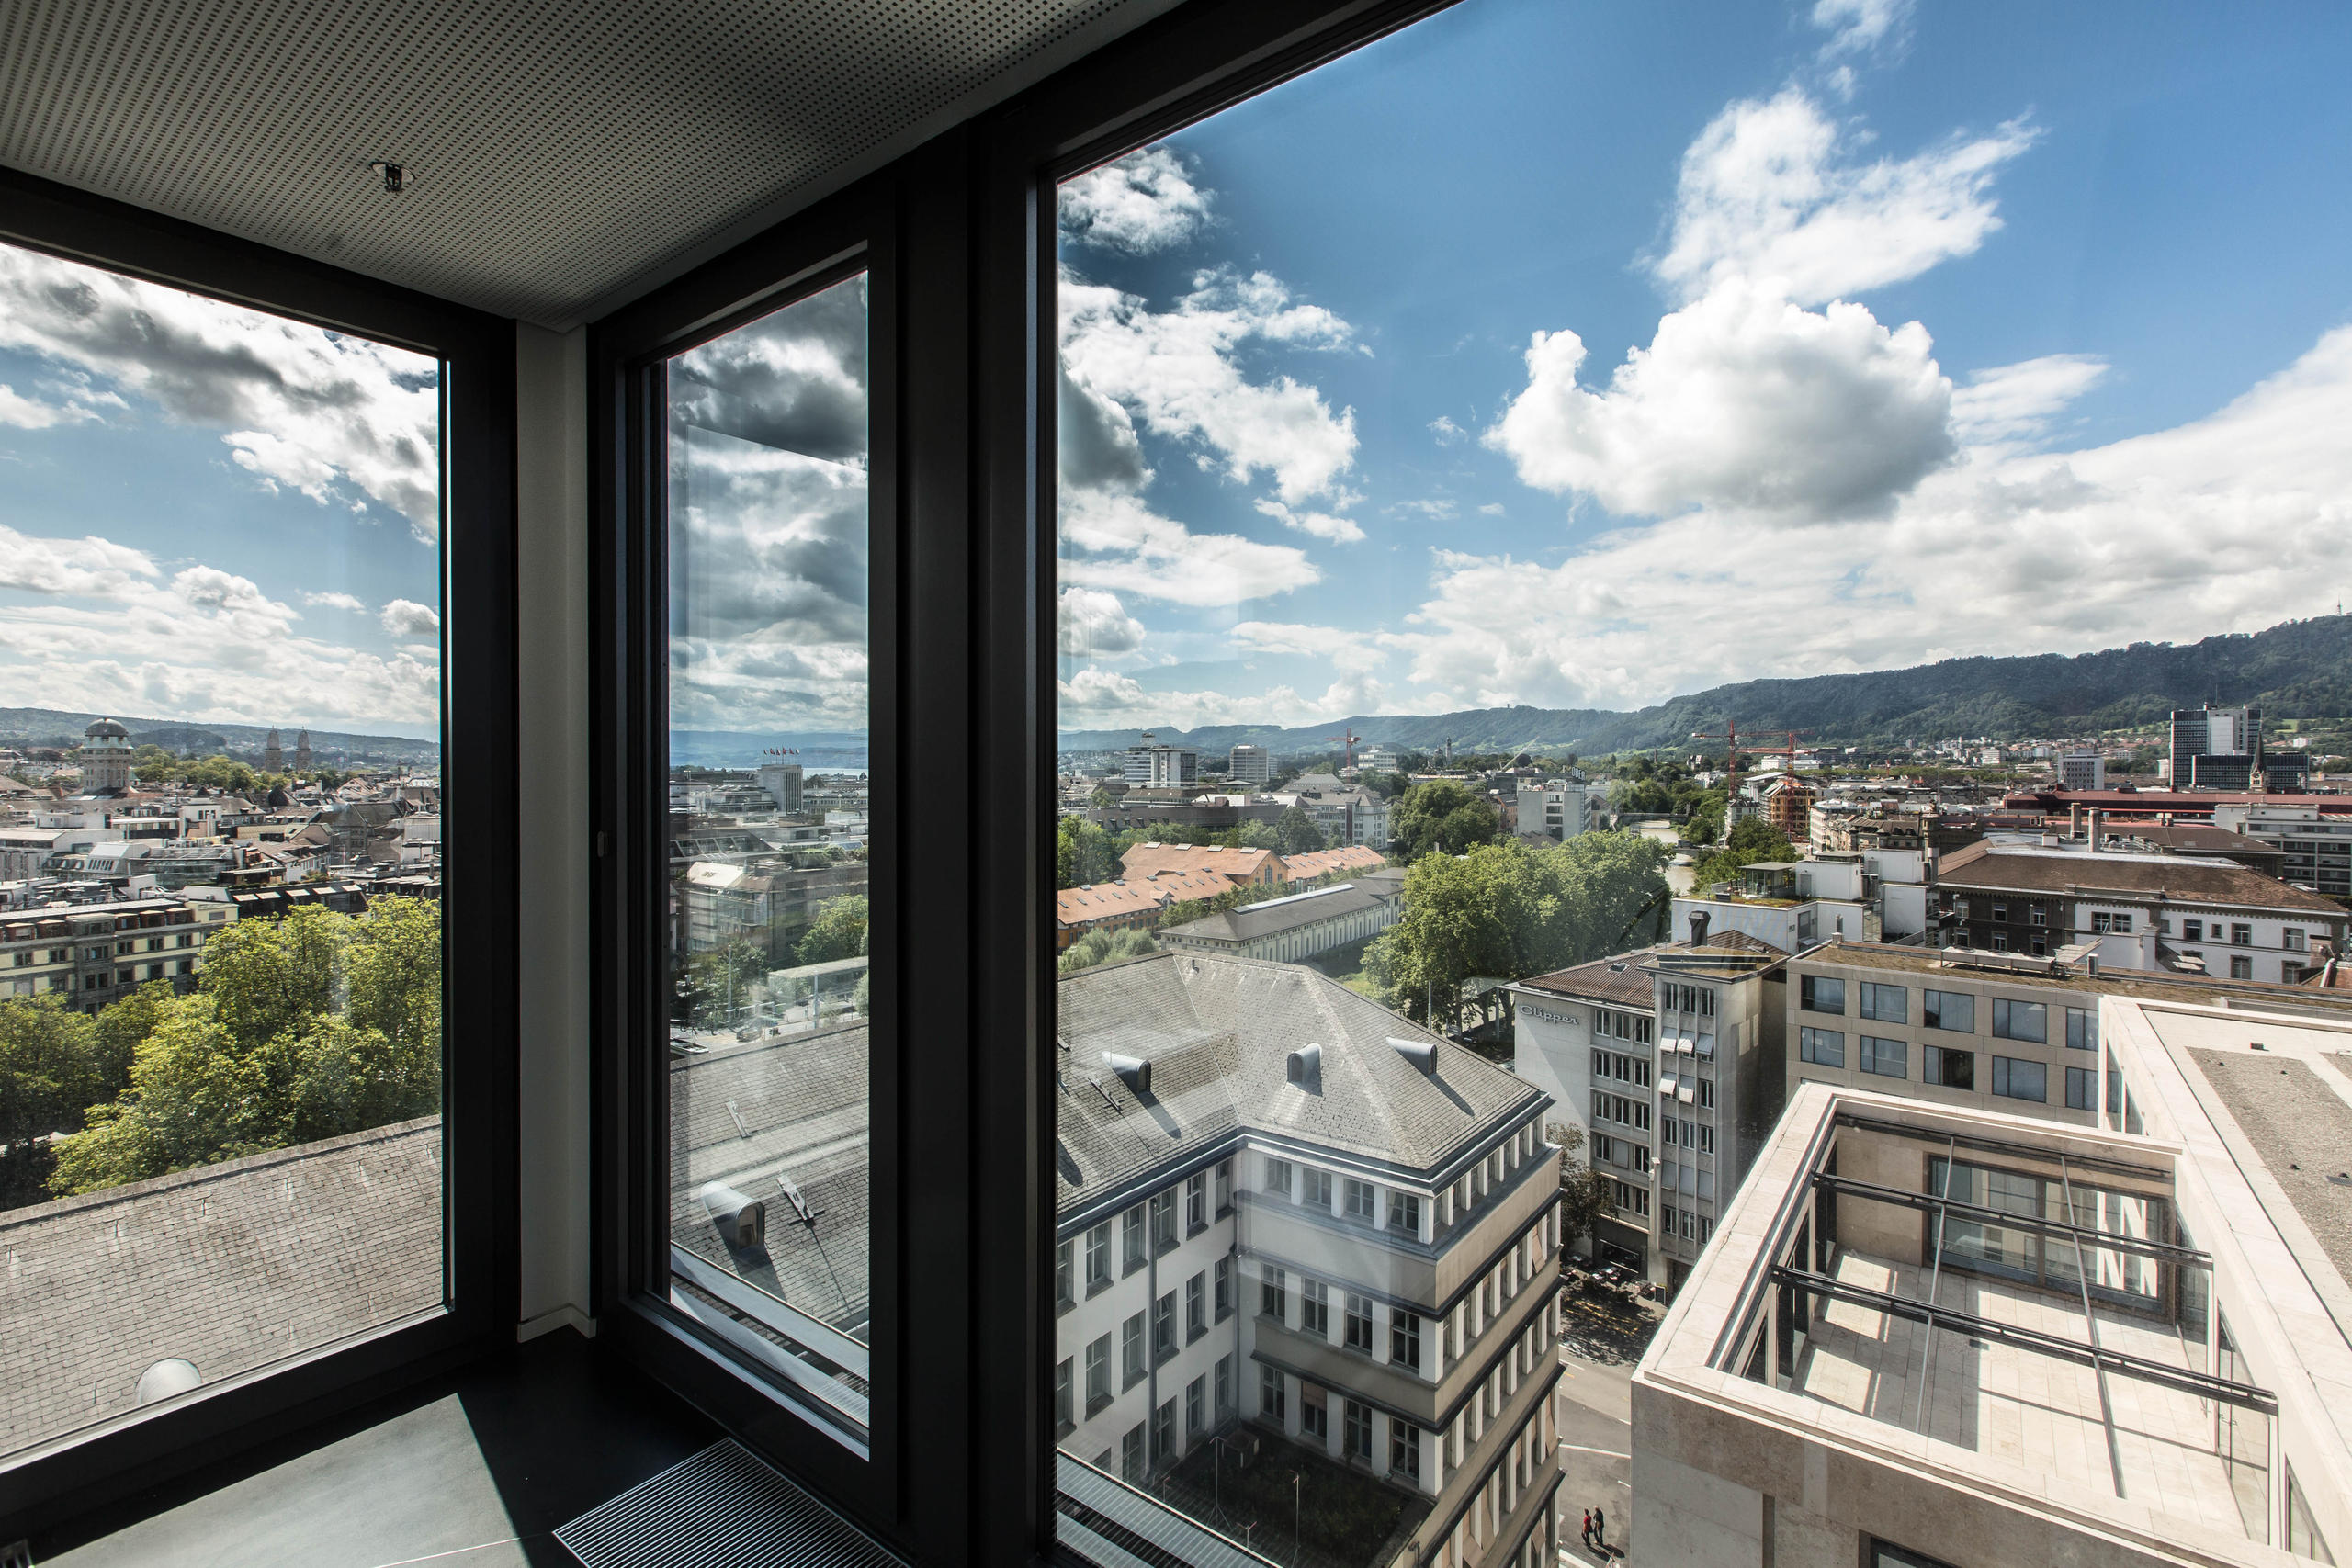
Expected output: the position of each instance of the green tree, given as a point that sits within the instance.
(1104, 947)
(1296, 833)
(838, 932)
(1256, 835)
(48, 1068)
(1751, 839)
(1586, 1195)
(717, 984)
(1440, 815)
(1085, 853)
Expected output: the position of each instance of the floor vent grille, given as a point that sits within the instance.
(722, 1508)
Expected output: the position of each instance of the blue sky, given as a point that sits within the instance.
(1958, 330)
(207, 514)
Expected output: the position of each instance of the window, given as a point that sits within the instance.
(1273, 1295)
(1278, 1176)
(1131, 1460)
(1134, 1250)
(1887, 1058)
(1947, 1011)
(1822, 1047)
(1062, 1292)
(1403, 1450)
(1272, 1405)
(1314, 1188)
(1098, 1373)
(2240, 936)
(1196, 1406)
(1163, 1325)
(1131, 1366)
(2015, 1078)
(1706, 1095)
(2037, 916)
(1405, 1338)
(2082, 1089)
(2020, 1020)
(1163, 1221)
(1196, 1202)
(1359, 1196)
(2241, 969)
(2082, 1029)
(1949, 1069)
(1224, 1386)
(2192, 930)
(1404, 1213)
(1820, 993)
(2289, 938)
(1062, 1415)
(1313, 1412)
(1315, 1308)
(1098, 1257)
(1706, 1140)
(1357, 1323)
(1356, 1430)
(1224, 1288)
(1888, 1004)
(1196, 1306)
(2000, 910)
(1224, 1185)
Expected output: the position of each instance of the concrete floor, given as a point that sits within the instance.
(1594, 1407)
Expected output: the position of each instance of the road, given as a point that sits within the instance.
(1595, 1410)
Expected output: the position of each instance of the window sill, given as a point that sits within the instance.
(1096, 1404)
(1197, 1332)
(1129, 1379)
(1224, 1312)
(1096, 1287)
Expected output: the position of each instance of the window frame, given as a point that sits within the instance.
(482, 1233)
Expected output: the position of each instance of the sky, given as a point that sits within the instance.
(1582, 355)
(210, 513)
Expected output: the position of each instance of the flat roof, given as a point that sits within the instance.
(1978, 964)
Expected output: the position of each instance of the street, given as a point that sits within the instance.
(1594, 1407)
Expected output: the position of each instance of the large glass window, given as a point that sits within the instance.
(1953, 1011)
(221, 1142)
(769, 828)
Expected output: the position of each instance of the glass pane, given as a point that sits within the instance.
(221, 1053)
(768, 833)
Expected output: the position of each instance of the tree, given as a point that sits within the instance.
(1256, 835)
(308, 1025)
(1296, 833)
(1586, 1195)
(838, 932)
(1751, 839)
(1104, 947)
(1440, 815)
(1084, 853)
(48, 1068)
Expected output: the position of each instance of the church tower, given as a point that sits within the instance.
(302, 752)
(272, 756)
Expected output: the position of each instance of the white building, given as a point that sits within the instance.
(2082, 769)
(1789, 903)
(1555, 808)
(1286, 1216)
(1161, 767)
(2318, 848)
(1290, 928)
(1250, 765)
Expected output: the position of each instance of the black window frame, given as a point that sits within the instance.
(480, 1229)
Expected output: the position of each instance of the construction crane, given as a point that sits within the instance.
(1347, 747)
(781, 752)
(1732, 749)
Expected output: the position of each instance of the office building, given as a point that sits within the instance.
(1250, 764)
(2082, 769)
(2315, 849)
(1161, 767)
(1556, 810)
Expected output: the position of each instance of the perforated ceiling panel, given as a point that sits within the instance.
(560, 151)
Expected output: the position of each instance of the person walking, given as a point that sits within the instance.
(1600, 1529)
(1587, 1529)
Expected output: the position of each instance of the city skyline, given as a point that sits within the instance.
(1879, 336)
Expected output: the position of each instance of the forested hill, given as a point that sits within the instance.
(62, 728)
(2297, 669)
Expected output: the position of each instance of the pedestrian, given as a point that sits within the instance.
(1600, 1529)
(1587, 1529)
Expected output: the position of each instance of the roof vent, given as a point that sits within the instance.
(1134, 1071)
(1306, 1065)
(1422, 1053)
(741, 1221)
(166, 1378)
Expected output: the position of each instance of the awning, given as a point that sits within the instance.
(1687, 1093)
(1666, 1084)
(1706, 1045)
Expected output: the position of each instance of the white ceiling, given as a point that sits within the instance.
(564, 154)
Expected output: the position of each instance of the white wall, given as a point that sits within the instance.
(552, 822)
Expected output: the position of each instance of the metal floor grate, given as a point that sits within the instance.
(722, 1508)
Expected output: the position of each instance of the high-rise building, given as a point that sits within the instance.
(1162, 767)
(2232, 733)
(783, 782)
(1250, 765)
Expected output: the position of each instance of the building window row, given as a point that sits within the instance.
(1695, 999)
(1622, 1068)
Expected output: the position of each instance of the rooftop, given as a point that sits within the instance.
(1973, 963)
(1276, 914)
(2174, 878)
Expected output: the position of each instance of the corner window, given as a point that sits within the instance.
(1821, 993)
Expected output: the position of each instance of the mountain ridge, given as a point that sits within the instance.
(39, 727)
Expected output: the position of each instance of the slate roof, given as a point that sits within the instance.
(230, 1266)
(1279, 915)
(2186, 879)
(1218, 1033)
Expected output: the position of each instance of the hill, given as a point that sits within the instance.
(55, 726)
(2296, 669)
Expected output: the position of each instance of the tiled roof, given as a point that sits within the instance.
(1323, 862)
(1239, 866)
(229, 1266)
(1621, 980)
(1109, 900)
(2178, 878)
(1217, 1032)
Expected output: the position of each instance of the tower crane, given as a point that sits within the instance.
(1732, 749)
(1347, 746)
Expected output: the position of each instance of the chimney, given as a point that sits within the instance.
(1698, 928)
(2074, 820)
(2098, 827)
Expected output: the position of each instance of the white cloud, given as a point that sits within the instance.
(1322, 524)
(2017, 402)
(1116, 542)
(1147, 201)
(1742, 400)
(337, 418)
(406, 617)
(1093, 623)
(1856, 27)
(85, 566)
(1769, 195)
(1352, 652)
(29, 414)
(1100, 699)
(1176, 372)
(2232, 522)
(1446, 431)
(333, 601)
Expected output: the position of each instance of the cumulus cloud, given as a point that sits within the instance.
(1116, 542)
(1176, 371)
(1093, 698)
(1743, 398)
(1093, 623)
(795, 379)
(339, 419)
(1147, 201)
(1353, 652)
(84, 565)
(1857, 27)
(30, 413)
(1322, 524)
(334, 601)
(406, 617)
(2017, 402)
(1768, 194)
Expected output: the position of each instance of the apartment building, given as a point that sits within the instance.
(94, 953)
(1555, 809)
(2315, 849)
(1937, 1333)
(1247, 764)
(1287, 1217)
(1789, 903)
(2139, 912)
(1667, 1060)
